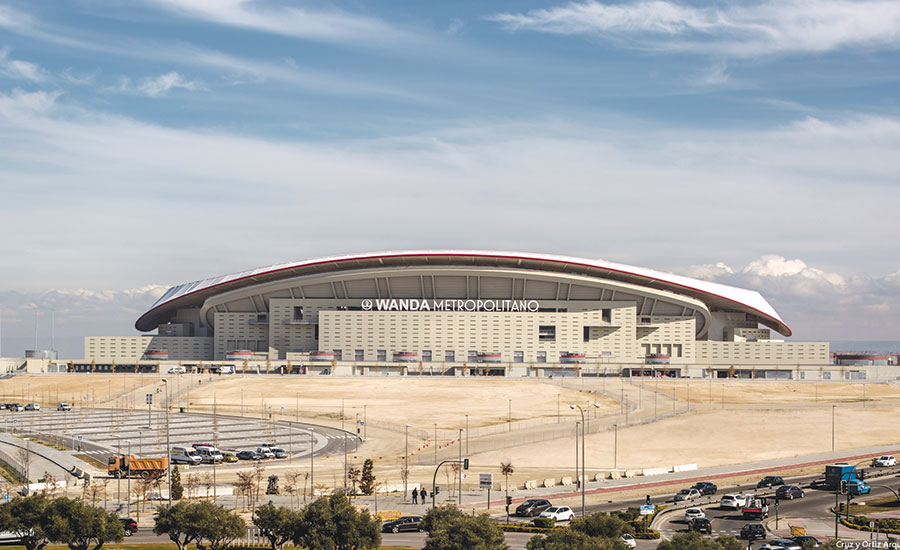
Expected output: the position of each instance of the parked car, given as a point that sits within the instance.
(248, 455)
(33, 407)
(404, 523)
(780, 544)
(789, 492)
(732, 501)
(63, 407)
(278, 452)
(229, 456)
(884, 461)
(628, 540)
(753, 531)
(129, 525)
(265, 452)
(177, 370)
(532, 507)
(803, 539)
(706, 487)
(686, 494)
(769, 481)
(692, 513)
(559, 513)
(700, 525)
(15, 407)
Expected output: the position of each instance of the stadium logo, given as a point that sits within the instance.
(449, 305)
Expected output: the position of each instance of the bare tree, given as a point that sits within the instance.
(191, 482)
(305, 480)
(259, 472)
(354, 475)
(454, 470)
(244, 486)
(290, 485)
(207, 481)
(23, 456)
(49, 485)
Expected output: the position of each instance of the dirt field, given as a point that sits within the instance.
(747, 392)
(48, 390)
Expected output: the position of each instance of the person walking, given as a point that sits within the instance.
(415, 495)
(424, 494)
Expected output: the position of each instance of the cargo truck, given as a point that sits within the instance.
(128, 466)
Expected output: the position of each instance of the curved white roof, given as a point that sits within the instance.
(184, 294)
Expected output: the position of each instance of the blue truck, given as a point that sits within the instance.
(835, 473)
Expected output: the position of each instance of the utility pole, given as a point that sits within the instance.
(459, 442)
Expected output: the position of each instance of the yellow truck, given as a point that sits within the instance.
(128, 466)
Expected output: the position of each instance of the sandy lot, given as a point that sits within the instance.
(746, 392)
(48, 390)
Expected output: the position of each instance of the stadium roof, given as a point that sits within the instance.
(713, 294)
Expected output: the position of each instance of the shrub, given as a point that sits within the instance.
(544, 523)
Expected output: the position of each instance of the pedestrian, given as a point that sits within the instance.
(415, 496)
(424, 494)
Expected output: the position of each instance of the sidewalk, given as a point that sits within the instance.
(52, 460)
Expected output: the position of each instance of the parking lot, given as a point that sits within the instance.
(101, 432)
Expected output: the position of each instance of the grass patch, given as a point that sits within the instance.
(884, 504)
(8, 473)
(92, 461)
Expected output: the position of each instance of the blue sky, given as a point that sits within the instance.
(151, 142)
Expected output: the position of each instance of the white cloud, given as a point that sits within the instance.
(739, 29)
(20, 70)
(156, 87)
(308, 23)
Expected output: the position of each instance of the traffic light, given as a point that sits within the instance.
(508, 501)
(844, 484)
(648, 500)
(437, 490)
(465, 464)
(776, 502)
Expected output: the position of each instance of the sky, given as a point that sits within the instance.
(147, 143)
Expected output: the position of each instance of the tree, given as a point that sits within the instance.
(276, 523)
(188, 522)
(25, 517)
(450, 529)
(568, 539)
(216, 525)
(599, 525)
(175, 487)
(693, 541)
(506, 468)
(333, 523)
(174, 523)
(354, 476)
(367, 480)
(81, 526)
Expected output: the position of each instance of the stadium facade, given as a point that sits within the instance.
(463, 313)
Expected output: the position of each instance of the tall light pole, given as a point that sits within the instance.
(312, 470)
(467, 438)
(435, 443)
(216, 446)
(583, 456)
(406, 464)
(460, 467)
(118, 470)
(128, 488)
(168, 442)
(615, 446)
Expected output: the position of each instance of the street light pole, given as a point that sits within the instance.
(435, 443)
(832, 427)
(128, 488)
(459, 441)
(467, 437)
(312, 471)
(583, 456)
(168, 442)
(615, 446)
(406, 464)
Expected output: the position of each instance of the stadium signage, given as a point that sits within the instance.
(414, 304)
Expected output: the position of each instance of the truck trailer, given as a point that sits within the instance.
(129, 466)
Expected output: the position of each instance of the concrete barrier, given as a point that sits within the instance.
(550, 482)
(531, 484)
(654, 471)
(684, 468)
(567, 480)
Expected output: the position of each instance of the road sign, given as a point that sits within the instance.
(15, 421)
(647, 509)
(149, 398)
(6, 496)
(485, 481)
(79, 437)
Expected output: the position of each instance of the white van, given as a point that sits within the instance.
(209, 454)
(185, 455)
(225, 369)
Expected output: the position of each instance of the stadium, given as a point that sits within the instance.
(461, 313)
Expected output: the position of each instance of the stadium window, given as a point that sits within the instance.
(450, 356)
(360, 355)
(381, 355)
(547, 333)
(586, 334)
(426, 356)
(298, 313)
(542, 357)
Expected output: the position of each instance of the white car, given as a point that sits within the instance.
(732, 501)
(883, 461)
(177, 370)
(687, 494)
(692, 513)
(780, 544)
(265, 452)
(629, 541)
(559, 513)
